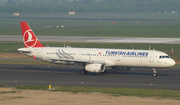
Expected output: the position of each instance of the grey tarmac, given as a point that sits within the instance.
(69, 76)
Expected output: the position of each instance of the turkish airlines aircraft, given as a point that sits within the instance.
(92, 59)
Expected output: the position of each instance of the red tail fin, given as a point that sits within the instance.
(29, 38)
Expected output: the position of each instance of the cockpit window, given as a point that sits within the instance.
(167, 56)
(163, 57)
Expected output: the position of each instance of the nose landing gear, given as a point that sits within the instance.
(155, 74)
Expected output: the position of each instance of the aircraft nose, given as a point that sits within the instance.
(172, 62)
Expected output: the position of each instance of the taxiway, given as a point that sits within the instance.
(69, 76)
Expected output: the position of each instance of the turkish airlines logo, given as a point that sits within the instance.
(30, 39)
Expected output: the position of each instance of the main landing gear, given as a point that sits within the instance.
(155, 74)
(104, 71)
(83, 72)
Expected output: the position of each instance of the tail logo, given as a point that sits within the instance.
(29, 38)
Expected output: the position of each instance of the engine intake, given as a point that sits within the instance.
(97, 68)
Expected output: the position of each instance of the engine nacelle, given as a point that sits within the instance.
(123, 68)
(97, 68)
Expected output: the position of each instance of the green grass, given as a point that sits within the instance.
(10, 45)
(3, 92)
(117, 15)
(114, 31)
(1, 85)
(167, 31)
(153, 93)
(122, 28)
(11, 98)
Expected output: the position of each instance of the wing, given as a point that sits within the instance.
(76, 60)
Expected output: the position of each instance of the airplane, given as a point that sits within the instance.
(94, 60)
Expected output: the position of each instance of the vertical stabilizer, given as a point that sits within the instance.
(29, 38)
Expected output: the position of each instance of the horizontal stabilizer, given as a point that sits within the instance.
(24, 50)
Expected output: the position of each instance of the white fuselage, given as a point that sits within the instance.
(110, 57)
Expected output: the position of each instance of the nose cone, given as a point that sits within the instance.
(171, 63)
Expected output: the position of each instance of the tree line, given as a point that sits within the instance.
(90, 5)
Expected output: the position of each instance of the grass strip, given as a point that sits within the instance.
(3, 92)
(11, 98)
(122, 28)
(139, 92)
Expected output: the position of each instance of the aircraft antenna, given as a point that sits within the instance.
(47, 45)
(132, 47)
(64, 43)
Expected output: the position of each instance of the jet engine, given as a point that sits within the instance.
(97, 68)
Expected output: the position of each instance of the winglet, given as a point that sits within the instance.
(29, 38)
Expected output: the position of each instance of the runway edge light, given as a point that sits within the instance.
(50, 87)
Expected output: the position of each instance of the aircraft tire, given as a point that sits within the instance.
(104, 71)
(154, 75)
(83, 72)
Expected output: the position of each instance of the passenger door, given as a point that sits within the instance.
(79, 55)
(118, 58)
(151, 57)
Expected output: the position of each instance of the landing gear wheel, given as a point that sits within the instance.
(83, 72)
(154, 75)
(104, 71)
